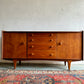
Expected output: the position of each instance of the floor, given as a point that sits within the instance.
(37, 66)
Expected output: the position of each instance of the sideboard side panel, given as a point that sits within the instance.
(83, 45)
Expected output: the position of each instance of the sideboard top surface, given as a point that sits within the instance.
(41, 31)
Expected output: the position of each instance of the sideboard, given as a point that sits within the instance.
(42, 45)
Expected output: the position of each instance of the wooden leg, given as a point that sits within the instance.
(69, 64)
(65, 63)
(19, 62)
(15, 62)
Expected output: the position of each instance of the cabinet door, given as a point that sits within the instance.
(69, 45)
(14, 45)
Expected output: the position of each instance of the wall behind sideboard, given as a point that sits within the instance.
(43, 15)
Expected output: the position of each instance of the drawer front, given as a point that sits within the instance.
(41, 54)
(42, 40)
(41, 46)
(41, 34)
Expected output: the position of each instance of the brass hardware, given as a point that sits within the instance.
(51, 40)
(50, 46)
(60, 43)
(31, 46)
(31, 34)
(32, 40)
(51, 34)
(51, 54)
(32, 54)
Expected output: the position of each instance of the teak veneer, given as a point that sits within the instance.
(62, 46)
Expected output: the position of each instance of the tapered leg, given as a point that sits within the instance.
(19, 62)
(65, 63)
(15, 62)
(69, 64)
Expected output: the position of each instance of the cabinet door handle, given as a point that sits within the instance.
(22, 43)
(60, 43)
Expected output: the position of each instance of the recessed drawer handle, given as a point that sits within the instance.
(32, 54)
(51, 40)
(32, 40)
(51, 34)
(50, 46)
(31, 46)
(31, 34)
(51, 54)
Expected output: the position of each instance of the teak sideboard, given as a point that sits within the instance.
(59, 46)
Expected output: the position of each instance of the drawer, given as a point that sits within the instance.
(49, 40)
(41, 54)
(41, 34)
(41, 46)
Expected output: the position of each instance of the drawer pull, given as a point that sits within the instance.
(51, 34)
(31, 34)
(51, 40)
(51, 54)
(50, 46)
(32, 54)
(31, 46)
(31, 40)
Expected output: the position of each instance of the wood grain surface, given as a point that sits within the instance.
(14, 45)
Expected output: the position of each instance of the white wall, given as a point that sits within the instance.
(41, 14)
(58, 15)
